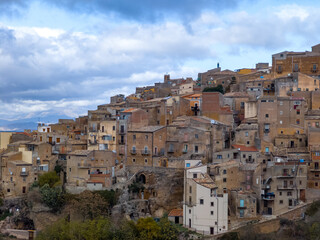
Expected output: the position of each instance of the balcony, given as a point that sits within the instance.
(269, 198)
(184, 151)
(158, 154)
(170, 150)
(314, 169)
(24, 174)
(93, 142)
(285, 187)
(121, 142)
(285, 175)
(122, 132)
(84, 165)
(133, 151)
(145, 152)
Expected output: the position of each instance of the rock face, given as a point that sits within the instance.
(151, 192)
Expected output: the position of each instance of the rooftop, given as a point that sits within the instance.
(147, 129)
(176, 213)
(245, 148)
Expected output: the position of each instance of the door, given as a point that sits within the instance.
(176, 220)
(23, 189)
(211, 230)
(50, 139)
(270, 211)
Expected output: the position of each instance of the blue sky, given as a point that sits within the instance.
(60, 58)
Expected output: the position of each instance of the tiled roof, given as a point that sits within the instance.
(129, 110)
(245, 149)
(176, 213)
(206, 181)
(147, 129)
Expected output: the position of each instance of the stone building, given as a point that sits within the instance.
(89, 170)
(145, 145)
(306, 62)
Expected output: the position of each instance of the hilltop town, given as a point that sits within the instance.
(214, 153)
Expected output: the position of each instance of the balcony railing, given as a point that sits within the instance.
(24, 174)
(120, 142)
(133, 151)
(170, 150)
(285, 187)
(145, 152)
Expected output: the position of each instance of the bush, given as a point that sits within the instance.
(218, 88)
(50, 178)
(52, 197)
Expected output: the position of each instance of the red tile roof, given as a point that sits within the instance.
(176, 213)
(245, 149)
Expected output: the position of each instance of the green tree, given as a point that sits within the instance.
(168, 230)
(52, 197)
(148, 229)
(218, 88)
(50, 178)
(111, 197)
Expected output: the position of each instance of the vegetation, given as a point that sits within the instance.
(5, 214)
(313, 208)
(90, 205)
(218, 88)
(136, 187)
(52, 197)
(50, 178)
(104, 228)
(111, 197)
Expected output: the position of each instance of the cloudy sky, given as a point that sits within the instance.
(59, 58)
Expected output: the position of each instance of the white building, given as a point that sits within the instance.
(204, 209)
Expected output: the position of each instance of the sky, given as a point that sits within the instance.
(61, 58)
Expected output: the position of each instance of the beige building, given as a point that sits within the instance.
(5, 139)
(89, 170)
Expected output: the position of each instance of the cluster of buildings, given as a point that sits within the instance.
(250, 151)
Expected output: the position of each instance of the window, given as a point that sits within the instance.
(146, 160)
(113, 128)
(146, 137)
(188, 165)
(242, 105)
(267, 115)
(211, 213)
(267, 149)
(196, 136)
(194, 175)
(248, 142)
(201, 201)
(281, 202)
(224, 180)
(281, 112)
(189, 211)
(219, 156)
(296, 67)
(289, 193)
(196, 149)
(102, 129)
(212, 204)
(280, 122)
(134, 160)
(281, 103)
(298, 121)
(134, 137)
(224, 171)
(190, 189)
(280, 193)
(247, 134)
